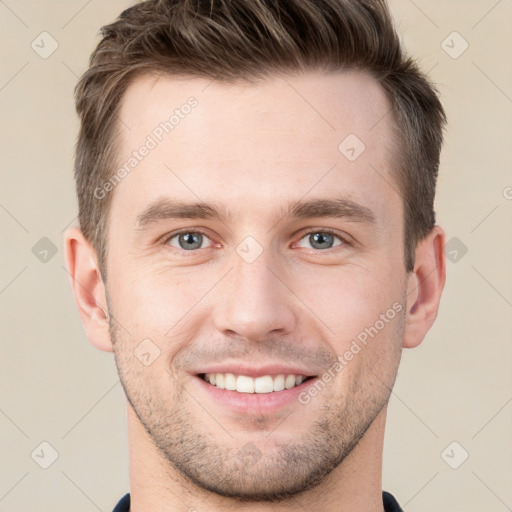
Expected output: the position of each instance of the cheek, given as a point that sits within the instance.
(350, 298)
(369, 352)
(363, 310)
(149, 299)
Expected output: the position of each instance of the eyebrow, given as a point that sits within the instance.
(166, 208)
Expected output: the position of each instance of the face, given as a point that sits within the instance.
(292, 266)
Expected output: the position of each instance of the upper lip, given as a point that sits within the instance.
(253, 371)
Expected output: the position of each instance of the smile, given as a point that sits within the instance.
(247, 384)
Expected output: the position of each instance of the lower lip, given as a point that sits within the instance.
(255, 403)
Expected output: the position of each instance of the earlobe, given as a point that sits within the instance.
(88, 288)
(425, 286)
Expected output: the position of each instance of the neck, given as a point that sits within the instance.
(355, 485)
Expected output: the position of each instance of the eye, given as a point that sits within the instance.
(190, 240)
(323, 239)
(187, 240)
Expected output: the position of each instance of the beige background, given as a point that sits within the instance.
(55, 387)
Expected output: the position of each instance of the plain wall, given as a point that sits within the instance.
(56, 388)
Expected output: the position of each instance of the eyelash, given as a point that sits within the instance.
(166, 239)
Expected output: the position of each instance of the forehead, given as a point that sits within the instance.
(249, 144)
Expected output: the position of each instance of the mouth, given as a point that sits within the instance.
(244, 389)
(265, 384)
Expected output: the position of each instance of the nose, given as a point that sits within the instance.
(255, 300)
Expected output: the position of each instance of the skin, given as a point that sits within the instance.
(252, 149)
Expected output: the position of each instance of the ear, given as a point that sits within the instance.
(425, 285)
(88, 288)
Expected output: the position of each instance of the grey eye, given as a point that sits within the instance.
(321, 240)
(188, 241)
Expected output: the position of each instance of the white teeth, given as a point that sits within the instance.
(219, 380)
(289, 382)
(279, 383)
(230, 381)
(245, 384)
(264, 384)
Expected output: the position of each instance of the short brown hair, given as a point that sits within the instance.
(233, 40)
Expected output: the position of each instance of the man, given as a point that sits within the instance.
(257, 245)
